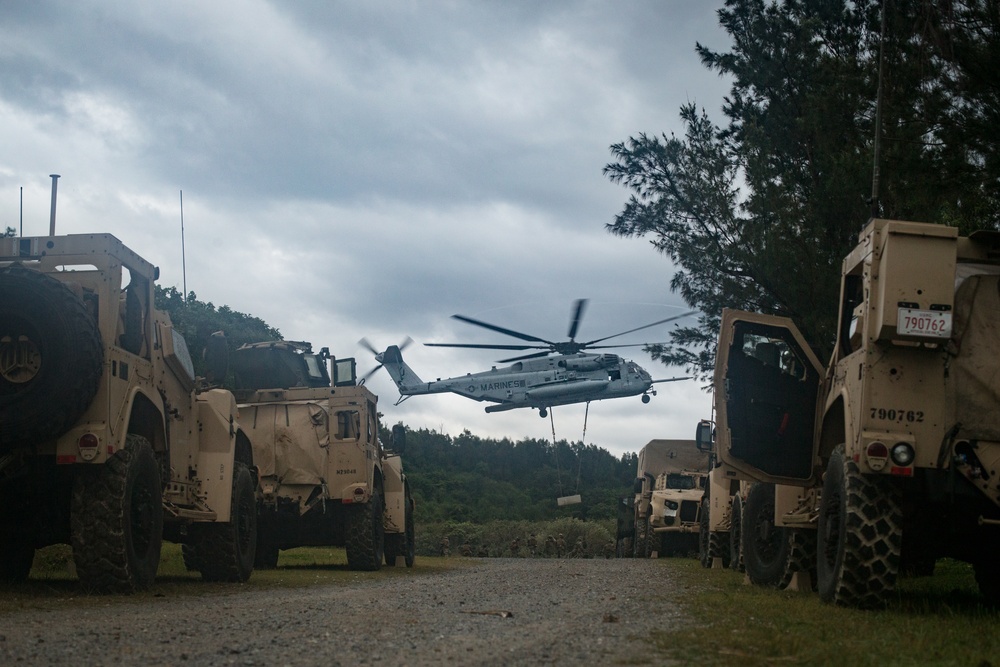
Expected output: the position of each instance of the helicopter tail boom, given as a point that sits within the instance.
(402, 375)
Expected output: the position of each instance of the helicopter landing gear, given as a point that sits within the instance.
(543, 413)
(645, 398)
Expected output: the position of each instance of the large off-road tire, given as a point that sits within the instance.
(736, 535)
(765, 546)
(226, 551)
(365, 543)
(641, 538)
(410, 547)
(116, 520)
(266, 557)
(859, 535)
(704, 538)
(801, 556)
(402, 544)
(51, 357)
(718, 547)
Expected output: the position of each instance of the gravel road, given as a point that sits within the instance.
(484, 612)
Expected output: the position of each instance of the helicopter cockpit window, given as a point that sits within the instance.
(680, 482)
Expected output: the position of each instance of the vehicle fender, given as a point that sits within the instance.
(394, 488)
(217, 440)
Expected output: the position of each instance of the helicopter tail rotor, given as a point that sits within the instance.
(380, 356)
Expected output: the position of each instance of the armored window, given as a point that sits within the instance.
(348, 425)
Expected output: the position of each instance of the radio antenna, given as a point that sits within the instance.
(878, 120)
(183, 254)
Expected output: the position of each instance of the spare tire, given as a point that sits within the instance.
(51, 357)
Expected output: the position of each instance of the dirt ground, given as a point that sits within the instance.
(485, 612)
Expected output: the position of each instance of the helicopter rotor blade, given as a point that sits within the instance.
(484, 346)
(574, 323)
(365, 343)
(608, 347)
(506, 332)
(673, 379)
(645, 326)
(536, 355)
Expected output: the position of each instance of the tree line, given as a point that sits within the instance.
(475, 480)
(757, 211)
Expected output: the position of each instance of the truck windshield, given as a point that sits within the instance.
(678, 481)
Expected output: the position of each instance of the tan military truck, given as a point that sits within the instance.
(107, 442)
(669, 485)
(325, 477)
(892, 452)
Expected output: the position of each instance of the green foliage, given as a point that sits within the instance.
(758, 213)
(580, 539)
(476, 480)
(9, 231)
(197, 321)
(939, 620)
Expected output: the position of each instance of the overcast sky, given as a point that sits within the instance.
(368, 169)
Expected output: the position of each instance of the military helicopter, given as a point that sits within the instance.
(535, 380)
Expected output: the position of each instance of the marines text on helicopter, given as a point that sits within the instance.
(535, 380)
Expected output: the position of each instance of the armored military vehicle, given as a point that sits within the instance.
(325, 477)
(108, 441)
(669, 485)
(892, 449)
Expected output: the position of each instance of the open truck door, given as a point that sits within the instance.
(767, 383)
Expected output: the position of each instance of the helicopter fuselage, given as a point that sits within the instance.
(537, 383)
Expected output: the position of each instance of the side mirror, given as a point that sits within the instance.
(637, 486)
(704, 437)
(217, 358)
(398, 438)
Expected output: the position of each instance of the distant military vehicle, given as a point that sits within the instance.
(670, 482)
(108, 442)
(894, 446)
(325, 477)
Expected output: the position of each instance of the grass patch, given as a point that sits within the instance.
(939, 620)
(53, 582)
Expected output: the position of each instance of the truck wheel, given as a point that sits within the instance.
(641, 538)
(226, 551)
(736, 535)
(410, 545)
(402, 544)
(116, 520)
(801, 556)
(51, 357)
(393, 547)
(366, 534)
(266, 557)
(704, 539)
(190, 557)
(765, 546)
(859, 535)
(654, 540)
(718, 547)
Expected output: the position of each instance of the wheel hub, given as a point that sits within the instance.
(20, 359)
